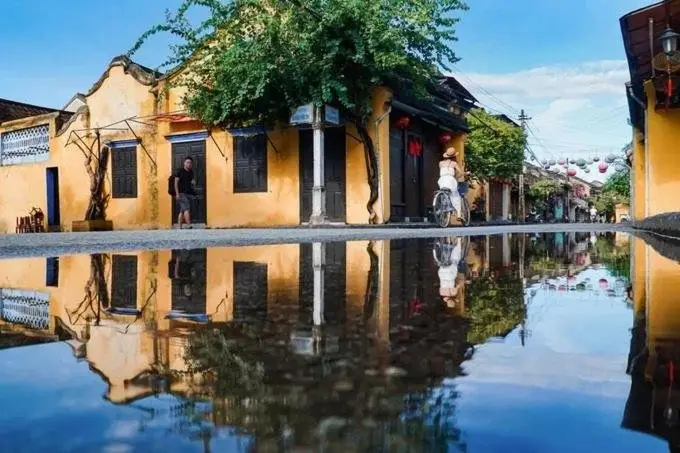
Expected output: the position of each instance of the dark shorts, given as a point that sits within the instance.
(184, 202)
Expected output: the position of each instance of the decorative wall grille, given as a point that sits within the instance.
(25, 145)
(28, 308)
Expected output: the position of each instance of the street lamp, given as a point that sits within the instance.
(669, 41)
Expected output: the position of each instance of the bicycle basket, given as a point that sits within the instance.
(463, 187)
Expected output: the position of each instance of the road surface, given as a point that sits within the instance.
(54, 244)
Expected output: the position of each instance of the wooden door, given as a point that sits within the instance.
(188, 271)
(53, 213)
(334, 174)
(495, 200)
(413, 178)
(180, 151)
(397, 183)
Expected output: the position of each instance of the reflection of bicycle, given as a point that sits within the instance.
(443, 207)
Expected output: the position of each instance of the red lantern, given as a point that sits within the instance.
(561, 162)
(571, 172)
(604, 284)
(403, 122)
(444, 138)
(603, 167)
(415, 147)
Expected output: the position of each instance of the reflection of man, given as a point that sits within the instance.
(184, 272)
(447, 254)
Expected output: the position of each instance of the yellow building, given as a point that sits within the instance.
(244, 177)
(654, 110)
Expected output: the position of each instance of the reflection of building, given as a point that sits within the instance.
(291, 328)
(654, 361)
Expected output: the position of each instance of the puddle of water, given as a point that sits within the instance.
(551, 343)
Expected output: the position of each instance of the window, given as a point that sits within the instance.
(25, 145)
(124, 172)
(124, 282)
(250, 164)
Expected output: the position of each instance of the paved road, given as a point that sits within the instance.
(53, 244)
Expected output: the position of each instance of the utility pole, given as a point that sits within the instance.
(523, 118)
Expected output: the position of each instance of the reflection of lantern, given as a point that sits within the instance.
(604, 284)
(581, 287)
(402, 122)
(571, 278)
(603, 167)
(445, 137)
(571, 172)
(562, 288)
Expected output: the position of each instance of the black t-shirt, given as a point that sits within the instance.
(185, 178)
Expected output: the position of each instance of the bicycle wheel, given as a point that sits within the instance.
(441, 215)
(465, 214)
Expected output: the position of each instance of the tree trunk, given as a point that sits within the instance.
(96, 209)
(371, 169)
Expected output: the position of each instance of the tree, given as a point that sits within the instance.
(494, 148)
(251, 62)
(618, 183)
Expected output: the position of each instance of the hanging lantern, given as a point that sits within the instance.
(445, 137)
(596, 159)
(669, 41)
(603, 167)
(610, 159)
(403, 122)
(415, 147)
(544, 162)
(571, 172)
(551, 162)
(581, 163)
(587, 170)
(561, 161)
(547, 167)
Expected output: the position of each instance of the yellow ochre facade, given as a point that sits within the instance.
(136, 110)
(653, 111)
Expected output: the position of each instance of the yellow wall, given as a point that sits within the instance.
(663, 136)
(638, 175)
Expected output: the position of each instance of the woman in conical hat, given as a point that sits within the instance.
(449, 173)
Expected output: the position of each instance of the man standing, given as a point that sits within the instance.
(184, 190)
(593, 214)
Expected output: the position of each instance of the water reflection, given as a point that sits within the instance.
(362, 346)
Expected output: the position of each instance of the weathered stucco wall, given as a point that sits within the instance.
(638, 177)
(663, 165)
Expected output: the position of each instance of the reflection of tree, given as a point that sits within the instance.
(616, 258)
(495, 306)
(96, 292)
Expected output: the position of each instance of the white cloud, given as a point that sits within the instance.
(577, 111)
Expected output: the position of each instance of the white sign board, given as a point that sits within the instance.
(332, 115)
(303, 115)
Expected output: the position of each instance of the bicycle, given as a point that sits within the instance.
(443, 207)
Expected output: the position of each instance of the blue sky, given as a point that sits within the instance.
(561, 60)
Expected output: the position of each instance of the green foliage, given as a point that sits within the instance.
(494, 148)
(618, 184)
(253, 61)
(543, 189)
(494, 307)
(606, 202)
